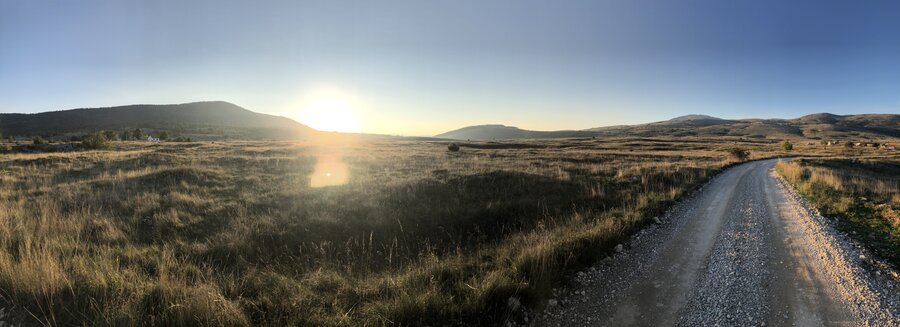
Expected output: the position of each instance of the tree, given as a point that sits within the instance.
(126, 135)
(110, 135)
(95, 141)
(739, 154)
(38, 140)
(137, 134)
(787, 146)
(163, 136)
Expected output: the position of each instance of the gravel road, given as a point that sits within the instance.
(744, 250)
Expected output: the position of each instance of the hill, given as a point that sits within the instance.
(201, 120)
(500, 132)
(815, 126)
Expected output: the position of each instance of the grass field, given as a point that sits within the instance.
(269, 233)
(863, 194)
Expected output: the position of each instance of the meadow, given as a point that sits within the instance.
(861, 194)
(280, 233)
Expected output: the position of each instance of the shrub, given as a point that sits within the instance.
(739, 154)
(787, 146)
(38, 140)
(163, 136)
(110, 135)
(453, 147)
(95, 141)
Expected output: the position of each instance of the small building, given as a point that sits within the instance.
(152, 139)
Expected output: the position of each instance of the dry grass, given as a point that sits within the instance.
(234, 234)
(864, 194)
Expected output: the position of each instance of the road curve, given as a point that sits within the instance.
(742, 251)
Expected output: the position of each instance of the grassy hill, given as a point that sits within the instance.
(200, 120)
(487, 132)
(816, 126)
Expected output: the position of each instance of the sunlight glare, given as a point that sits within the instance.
(330, 112)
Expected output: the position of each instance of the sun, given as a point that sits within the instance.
(330, 112)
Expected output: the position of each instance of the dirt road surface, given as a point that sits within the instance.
(744, 250)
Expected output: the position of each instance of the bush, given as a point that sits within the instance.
(163, 136)
(110, 135)
(739, 154)
(95, 141)
(787, 146)
(38, 140)
(453, 147)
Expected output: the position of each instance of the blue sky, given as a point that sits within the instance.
(424, 67)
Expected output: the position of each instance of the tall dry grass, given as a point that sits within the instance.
(861, 193)
(233, 234)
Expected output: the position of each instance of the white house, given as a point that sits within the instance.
(152, 139)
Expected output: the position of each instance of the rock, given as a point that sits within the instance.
(552, 302)
(619, 248)
(657, 221)
(862, 257)
(513, 303)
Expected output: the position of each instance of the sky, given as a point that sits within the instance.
(426, 67)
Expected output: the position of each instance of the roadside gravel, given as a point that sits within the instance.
(744, 250)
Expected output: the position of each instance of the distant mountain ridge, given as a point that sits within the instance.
(203, 120)
(496, 131)
(815, 126)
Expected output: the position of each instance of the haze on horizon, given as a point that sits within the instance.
(420, 68)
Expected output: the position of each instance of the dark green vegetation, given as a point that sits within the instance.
(863, 194)
(818, 126)
(199, 120)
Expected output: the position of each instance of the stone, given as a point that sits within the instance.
(619, 248)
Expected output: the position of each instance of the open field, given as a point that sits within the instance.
(862, 194)
(277, 233)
